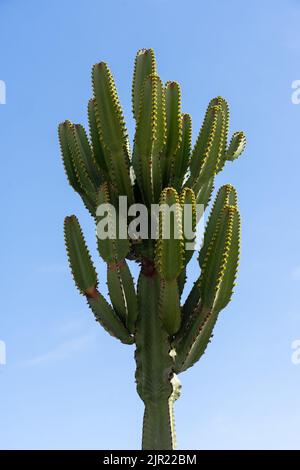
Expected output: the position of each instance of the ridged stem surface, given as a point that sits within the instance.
(154, 368)
(157, 429)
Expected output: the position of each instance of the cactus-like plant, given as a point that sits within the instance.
(163, 168)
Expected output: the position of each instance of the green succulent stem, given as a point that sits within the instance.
(157, 427)
(154, 365)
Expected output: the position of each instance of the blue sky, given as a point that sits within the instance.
(67, 384)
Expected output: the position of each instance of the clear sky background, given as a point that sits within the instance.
(67, 383)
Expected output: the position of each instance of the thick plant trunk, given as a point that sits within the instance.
(154, 373)
(157, 427)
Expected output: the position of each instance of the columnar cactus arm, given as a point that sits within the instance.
(169, 305)
(236, 146)
(67, 157)
(223, 295)
(150, 139)
(188, 204)
(122, 293)
(98, 151)
(227, 282)
(222, 103)
(116, 292)
(130, 296)
(85, 278)
(144, 66)
(86, 156)
(225, 196)
(182, 156)
(81, 265)
(169, 253)
(112, 130)
(111, 247)
(114, 250)
(216, 283)
(213, 150)
(205, 192)
(169, 258)
(174, 130)
(79, 160)
(203, 142)
(106, 316)
(75, 166)
(209, 153)
(189, 306)
(238, 141)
